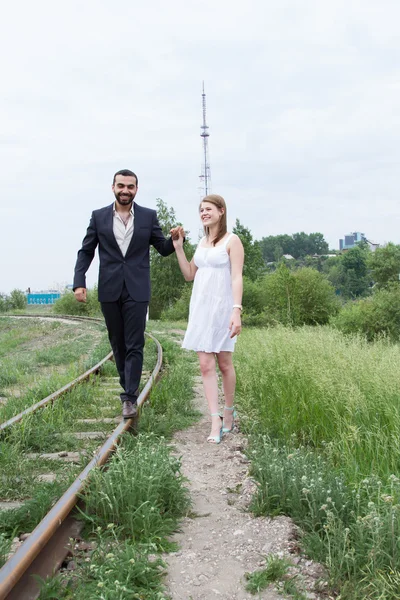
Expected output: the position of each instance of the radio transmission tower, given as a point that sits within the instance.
(205, 176)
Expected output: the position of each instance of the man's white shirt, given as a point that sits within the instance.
(123, 234)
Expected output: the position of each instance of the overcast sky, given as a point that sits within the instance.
(303, 102)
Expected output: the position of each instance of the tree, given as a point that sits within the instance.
(316, 300)
(349, 272)
(274, 246)
(297, 245)
(318, 243)
(254, 265)
(302, 297)
(17, 300)
(4, 303)
(309, 244)
(355, 279)
(385, 265)
(166, 278)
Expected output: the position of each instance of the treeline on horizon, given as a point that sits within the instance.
(297, 245)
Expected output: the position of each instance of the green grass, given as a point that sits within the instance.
(64, 353)
(334, 393)
(141, 491)
(28, 374)
(5, 545)
(275, 569)
(169, 408)
(15, 332)
(116, 570)
(25, 518)
(323, 412)
(45, 383)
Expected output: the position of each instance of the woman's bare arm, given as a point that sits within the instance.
(188, 268)
(236, 253)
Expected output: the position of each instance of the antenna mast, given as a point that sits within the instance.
(205, 176)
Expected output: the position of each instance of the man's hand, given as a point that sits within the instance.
(80, 294)
(177, 232)
(178, 236)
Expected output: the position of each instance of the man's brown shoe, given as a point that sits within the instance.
(129, 410)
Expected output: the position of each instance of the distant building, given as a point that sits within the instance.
(373, 245)
(352, 239)
(44, 297)
(324, 255)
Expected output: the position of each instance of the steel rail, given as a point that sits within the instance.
(62, 390)
(55, 316)
(18, 564)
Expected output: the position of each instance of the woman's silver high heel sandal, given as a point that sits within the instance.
(230, 429)
(216, 439)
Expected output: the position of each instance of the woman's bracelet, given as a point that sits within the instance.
(238, 306)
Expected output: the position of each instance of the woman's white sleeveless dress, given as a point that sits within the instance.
(211, 302)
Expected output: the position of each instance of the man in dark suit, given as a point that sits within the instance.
(123, 232)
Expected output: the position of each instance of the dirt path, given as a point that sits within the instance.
(220, 541)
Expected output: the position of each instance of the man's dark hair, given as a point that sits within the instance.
(126, 173)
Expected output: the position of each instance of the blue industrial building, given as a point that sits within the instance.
(351, 239)
(42, 297)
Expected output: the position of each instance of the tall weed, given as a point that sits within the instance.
(331, 392)
(323, 411)
(141, 492)
(353, 529)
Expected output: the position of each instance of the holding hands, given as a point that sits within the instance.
(178, 236)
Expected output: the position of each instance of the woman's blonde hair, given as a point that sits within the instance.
(219, 202)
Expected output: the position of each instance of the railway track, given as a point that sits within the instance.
(44, 550)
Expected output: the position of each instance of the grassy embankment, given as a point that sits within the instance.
(323, 412)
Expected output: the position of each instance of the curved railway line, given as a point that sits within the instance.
(46, 547)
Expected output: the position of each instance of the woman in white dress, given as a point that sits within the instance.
(215, 308)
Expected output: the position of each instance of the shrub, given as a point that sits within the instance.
(315, 297)
(298, 297)
(385, 265)
(68, 305)
(4, 303)
(179, 311)
(17, 300)
(377, 315)
(253, 302)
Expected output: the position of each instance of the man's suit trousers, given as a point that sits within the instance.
(126, 322)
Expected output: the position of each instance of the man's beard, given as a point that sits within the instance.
(124, 201)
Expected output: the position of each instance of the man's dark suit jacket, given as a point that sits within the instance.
(115, 269)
